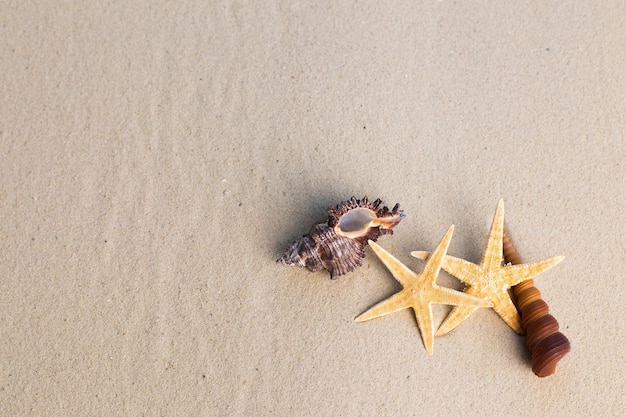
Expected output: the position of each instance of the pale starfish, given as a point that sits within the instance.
(490, 279)
(419, 291)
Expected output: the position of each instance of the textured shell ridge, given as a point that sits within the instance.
(338, 245)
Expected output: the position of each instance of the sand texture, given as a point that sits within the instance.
(157, 157)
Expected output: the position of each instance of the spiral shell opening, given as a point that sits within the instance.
(355, 223)
(362, 220)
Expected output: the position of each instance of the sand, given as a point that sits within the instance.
(158, 157)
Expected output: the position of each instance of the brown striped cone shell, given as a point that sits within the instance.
(546, 344)
(338, 245)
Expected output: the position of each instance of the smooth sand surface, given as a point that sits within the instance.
(158, 157)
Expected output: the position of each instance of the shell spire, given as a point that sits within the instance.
(338, 245)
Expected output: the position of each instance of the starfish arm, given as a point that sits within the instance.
(520, 273)
(436, 259)
(424, 317)
(399, 271)
(492, 258)
(443, 295)
(466, 272)
(456, 316)
(392, 304)
(420, 254)
(507, 311)
(460, 268)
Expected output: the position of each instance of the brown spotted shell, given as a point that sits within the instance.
(338, 245)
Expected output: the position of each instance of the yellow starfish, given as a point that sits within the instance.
(419, 291)
(490, 279)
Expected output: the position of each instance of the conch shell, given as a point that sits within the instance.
(338, 245)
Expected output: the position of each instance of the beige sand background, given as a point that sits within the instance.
(157, 157)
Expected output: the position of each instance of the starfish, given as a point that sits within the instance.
(419, 291)
(490, 279)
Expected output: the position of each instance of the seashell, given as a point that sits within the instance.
(338, 245)
(546, 344)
